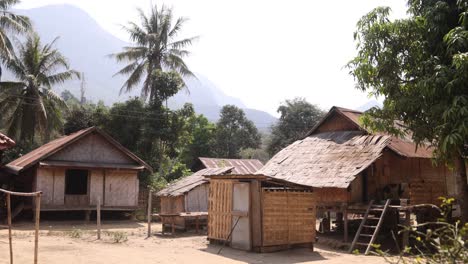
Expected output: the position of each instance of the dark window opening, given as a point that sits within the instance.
(76, 182)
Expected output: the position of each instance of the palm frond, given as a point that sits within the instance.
(181, 44)
(134, 78)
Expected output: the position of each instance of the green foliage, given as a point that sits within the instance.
(258, 153)
(419, 64)
(234, 132)
(435, 242)
(11, 25)
(119, 237)
(76, 233)
(297, 117)
(29, 105)
(156, 48)
(164, 85)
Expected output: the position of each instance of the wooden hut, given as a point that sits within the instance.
(260, 213)
(348, 166)
(74, 171)
(184, 203)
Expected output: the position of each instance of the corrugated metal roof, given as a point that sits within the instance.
(330, 159)
(56, 145)
(241, 166)
(186, 184)
(5, 142)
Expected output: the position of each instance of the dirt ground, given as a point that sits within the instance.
(75, 242)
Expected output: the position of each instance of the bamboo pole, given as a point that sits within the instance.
(32, 194)
(150, 197)
(36, 235)
(8, 196)
(98, 217)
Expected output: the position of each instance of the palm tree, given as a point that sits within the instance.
(29, 105)
(10, 23)
(156, 48)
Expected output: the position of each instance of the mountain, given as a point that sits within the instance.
(87, 46)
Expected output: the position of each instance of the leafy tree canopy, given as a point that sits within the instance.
(235, 132)
(297, 117)
(420, 65)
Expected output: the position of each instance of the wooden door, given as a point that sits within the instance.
(121, 189)
(240, 215)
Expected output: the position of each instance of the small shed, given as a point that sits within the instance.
(74, 171)
(187, 197)
(259, 213)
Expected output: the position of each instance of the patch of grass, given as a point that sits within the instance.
(76, 233)
(118, 236)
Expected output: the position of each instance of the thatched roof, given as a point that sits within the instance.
(329, 159)
(405, 146)
(241, 166)
(186, 184)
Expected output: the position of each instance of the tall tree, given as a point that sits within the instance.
(420, 65)
(297, 117)
(235, 132)
(156, 48)
(29, 105)
(10, 23)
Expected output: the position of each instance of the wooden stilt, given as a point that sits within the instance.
(345, 229)
(8, 196)
(149, 217)
(36, 234)
(406, 225)
(98, 217)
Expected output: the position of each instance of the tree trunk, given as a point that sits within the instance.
(462, 187)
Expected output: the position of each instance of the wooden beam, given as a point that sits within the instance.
(98, 217)
(32, 194)
(149, 216)
(8, 196)
(345, 229)
(36, 233)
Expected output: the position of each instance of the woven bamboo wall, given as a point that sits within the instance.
(220, 208)
(288, 217)
(172, 205)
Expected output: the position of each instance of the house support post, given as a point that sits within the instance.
(406, 225)
(345, 220)
(149, 216)
(87, 215)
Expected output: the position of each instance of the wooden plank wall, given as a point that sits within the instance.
(337, 122)
(288, 217)
(172, 205)
(331, 195)
(121, 188)
(421, 181)
(96, 186)
(220, 209)
(196, 200)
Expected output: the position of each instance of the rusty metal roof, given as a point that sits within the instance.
(56, 145)
(241, 166)
(329, 159)
(186, 184)
(402, 146)
(5, 142)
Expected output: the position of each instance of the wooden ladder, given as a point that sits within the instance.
(365, 225)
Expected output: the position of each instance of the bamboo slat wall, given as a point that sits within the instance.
(220, 208)
(288, 217)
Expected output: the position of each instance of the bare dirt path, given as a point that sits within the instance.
(70, 243)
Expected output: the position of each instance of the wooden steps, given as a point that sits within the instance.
(368, 223)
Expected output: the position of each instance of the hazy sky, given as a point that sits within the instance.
(261, 51)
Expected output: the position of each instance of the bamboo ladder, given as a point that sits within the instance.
(369, 226)
(37, 195)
